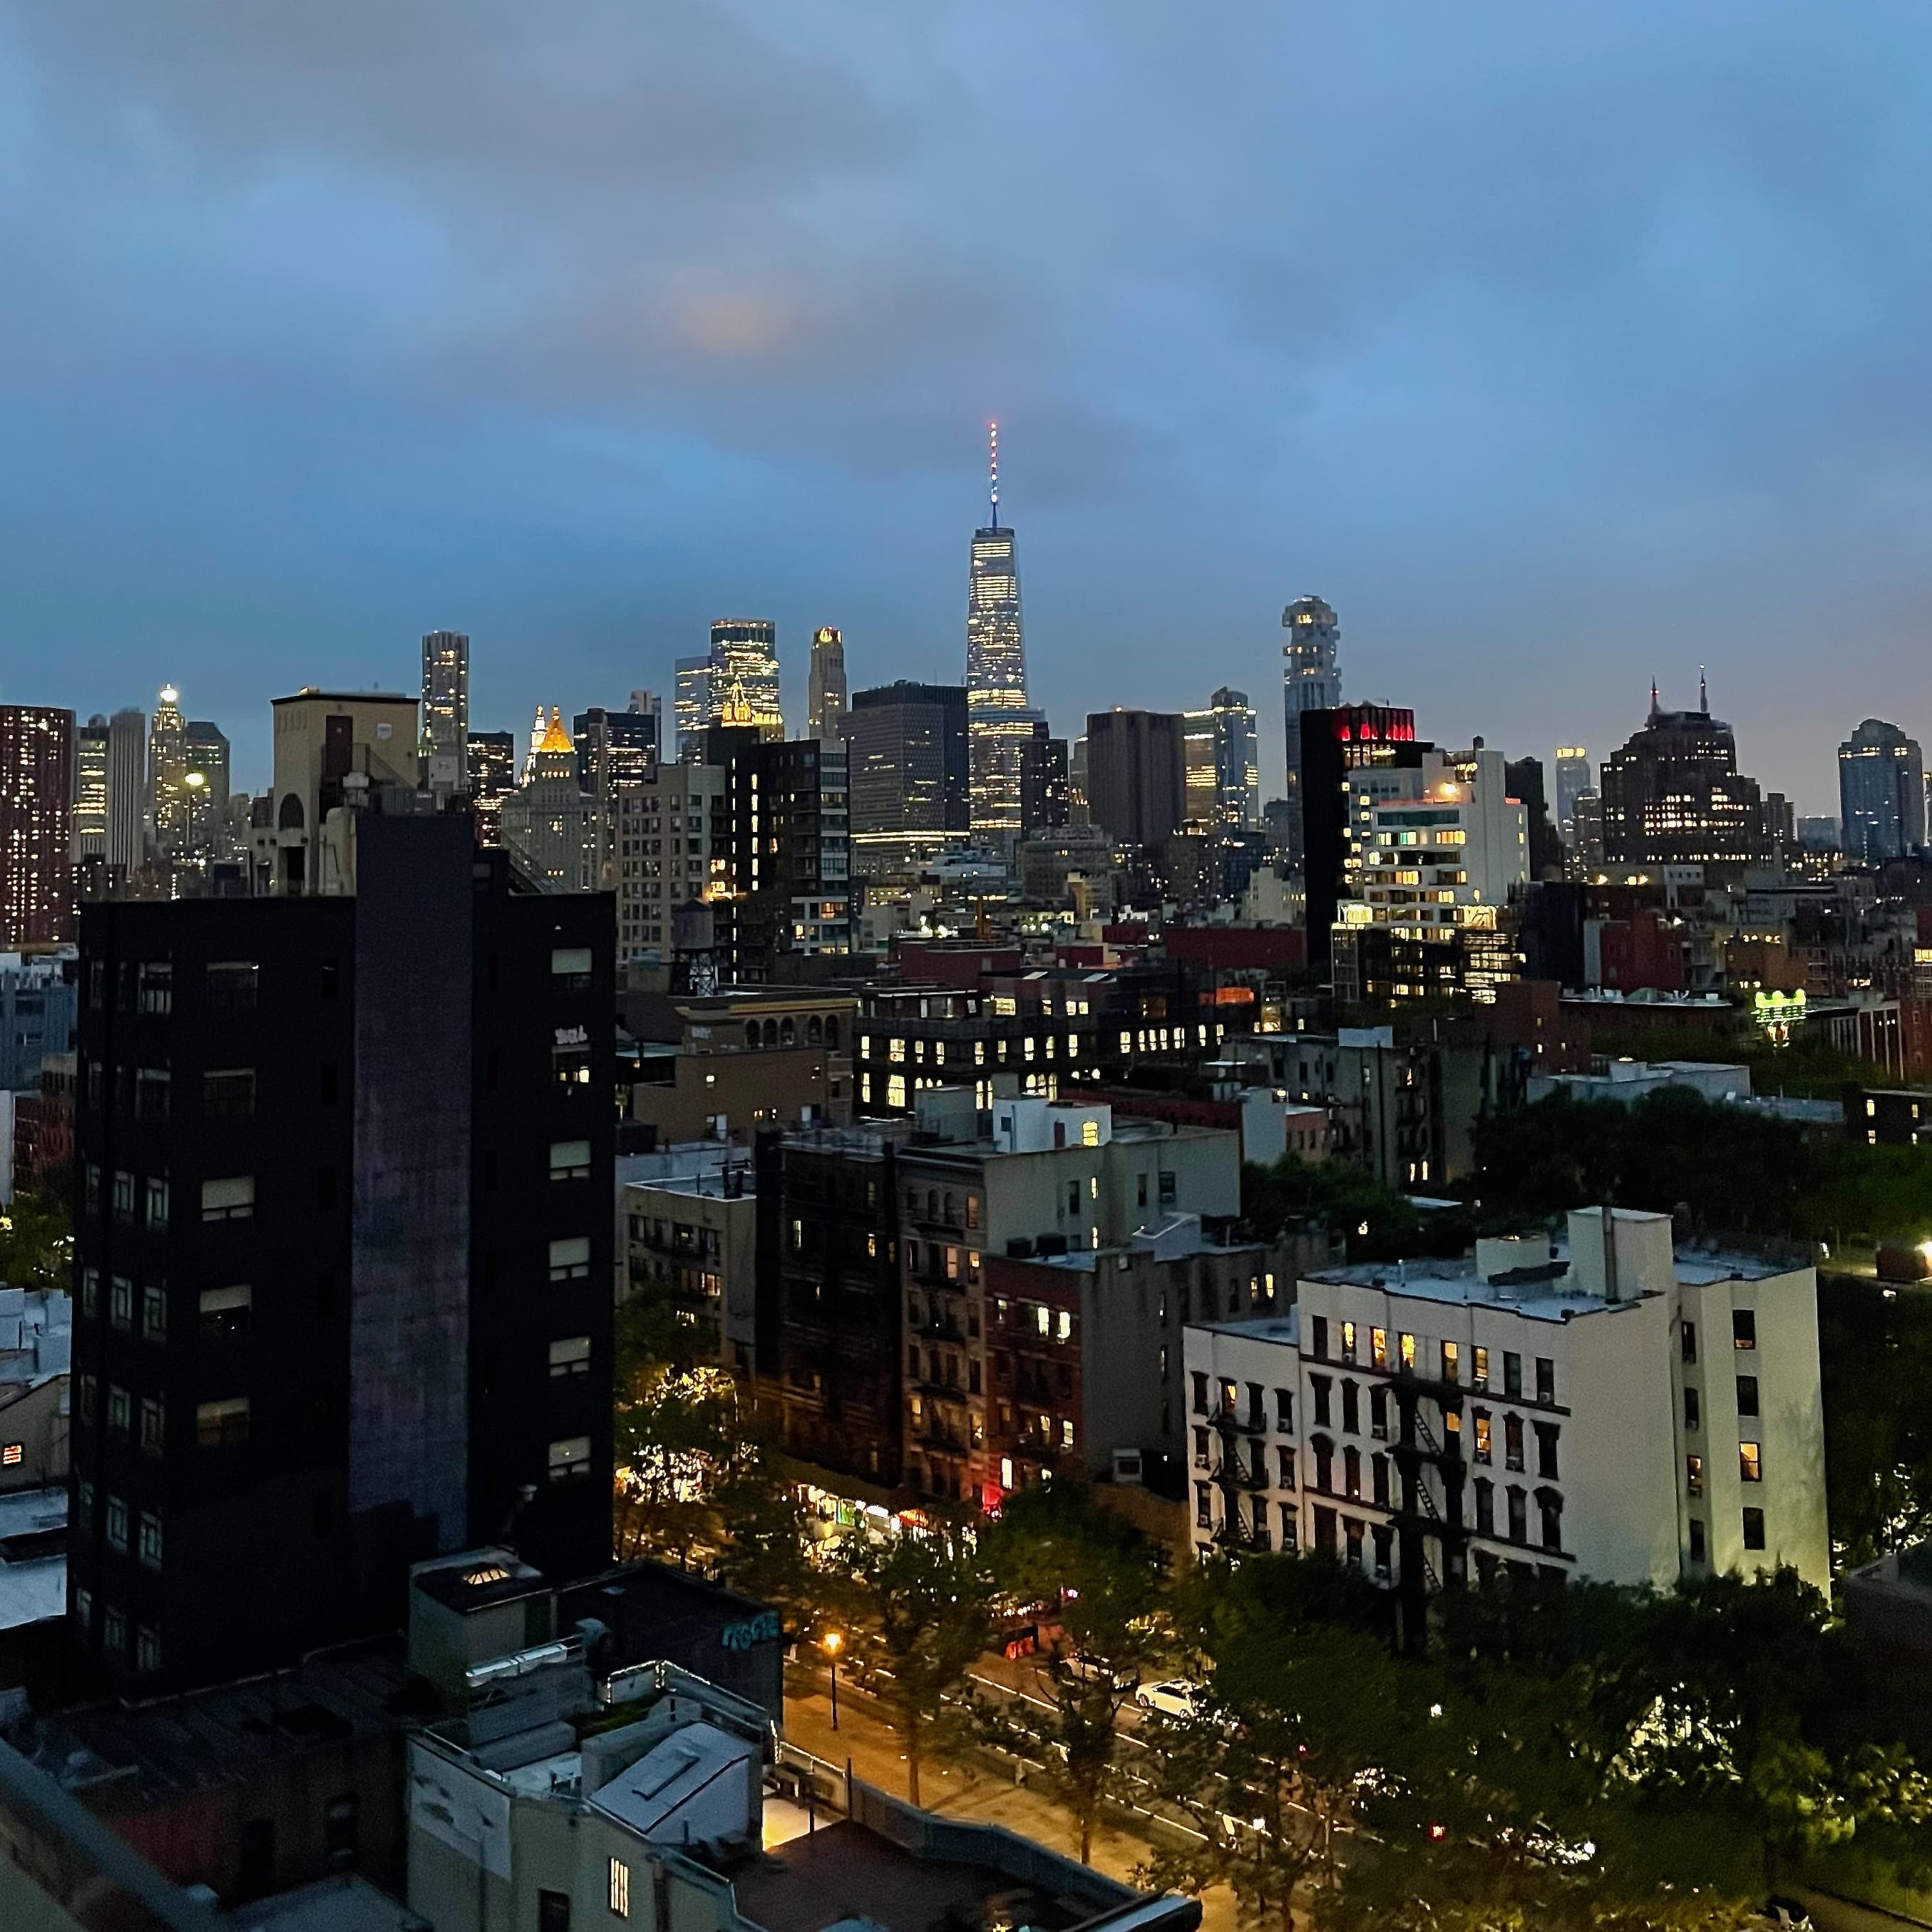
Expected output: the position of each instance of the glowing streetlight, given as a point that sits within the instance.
(833, 1643)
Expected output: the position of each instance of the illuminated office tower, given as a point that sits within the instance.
(491, 759)
(1881, 793)
(204, 758)
(825, 701)
(167, 774)
(1224, 783)
(445, 710)
(613, 748)
(691, 705)
(90, 756)
(36, 812)
(1002, 728)
(1312, 681)
(126, 789)
(744, 657)
(1673, 795)
(1573, 779)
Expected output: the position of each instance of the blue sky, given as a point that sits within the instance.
(1557, 346)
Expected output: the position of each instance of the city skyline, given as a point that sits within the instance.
(1517, 415)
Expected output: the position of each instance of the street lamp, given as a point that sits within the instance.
(833, 1641)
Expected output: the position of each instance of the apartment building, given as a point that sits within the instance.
(1598, 1407)
(1048, 1180)
(673, 845)
(690, 1243)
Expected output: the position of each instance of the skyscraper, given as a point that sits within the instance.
(126, 789)
(1224, 782)
(1573, 779)
(1136, 784)
(1673, 795)
(612, 747)
(167, 771)
(825, 703)
(205, 758)
(1002, 725)
(1312, 681)
(1881, 793)
(545, 824)
(36, 809)
(445, 710)
(492, 763)
(89, 829)
(905, 748)
(1339, 745)
(691, 703)
(744, 656)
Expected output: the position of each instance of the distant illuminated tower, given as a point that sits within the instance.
(1001, 724)
(88, 831)
(445, 710)
(745, 651)
(1573, 779)
(1312, 681)
(538, 732)
(167, 776)
(825, 700)
(36, 793)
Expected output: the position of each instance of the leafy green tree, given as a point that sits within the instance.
(37, 1242)
(1053, 1544)
(924, 1602)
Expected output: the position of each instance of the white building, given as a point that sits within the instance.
(1595, 1408)
(1630, 1081)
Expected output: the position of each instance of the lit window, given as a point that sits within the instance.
(570, 1459)
(1750, 1463)
(11, 1454)
(571, 1357)
(570, 1258)
(222, 1425)
(1693, 1475)
(1378, 1345)
(230, 1200)
(1407, 1343)
(620, 1889)
(1089, 1136)
(570, 1160)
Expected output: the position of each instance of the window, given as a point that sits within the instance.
(571, 1357)
(1325, 1531)
(1744, 1328)
(1688, 1341)
(12, 1454)
(1351, 1473)
(226, 1312)
(1693, 1475)
(1379, 1347)
(1482, 1453)
(232, 985)
(1348, 1341)
(114, 1631)
(1324, 1464)
(1318, 1334)
(1284, 1457)
(123, 1197)
(230, 1200)
(570, 1258)
(152, 1425)
(1754, 1529)
(339, 1830)
(1378, 1413)
(149, 1548)
(1697, 1539)
(1747, 1395)
(1406, 1344)
(151, 1088)
(1200, 1393)
(1512, 1442)
(1519, 1517)
(1291, 1529)
(1546, 1380)
(570, 1064)
(1204, 1506)
(1379, 1472)
(120, 1409)
(570, 1459)
(90, 1292)
(1479, 1368)
(1320, 1387)
(121, 1303)
(1512, 1373)
(552, 1912)
(1549, 1505)
(1452, 1363)
(570, 1160)
(571, 962)
(1351, 1408)
(83, 1610)
(156, 984)
(1690, 1408)
(228, 1093)
(1750, 1463)
(620, 1889)
(90, 1398)
(1284, 1411)
(222, 1425)
(117, 1524)
(155, 1313)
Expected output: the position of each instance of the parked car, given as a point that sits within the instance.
(1175, 1698)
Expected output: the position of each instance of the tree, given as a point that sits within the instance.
(1054, 1545)
(922, 1599)
(37, 1242)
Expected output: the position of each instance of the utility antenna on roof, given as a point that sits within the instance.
(993, 467)
(1703, 692)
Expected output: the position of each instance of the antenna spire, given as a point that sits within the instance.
(1703, 691)
(993, 467)
(1653, 697)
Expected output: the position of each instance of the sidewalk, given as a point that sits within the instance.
(875, 1754)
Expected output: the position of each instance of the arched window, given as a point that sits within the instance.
(750, 1032)
(290, 817)
(787, 1032)
(1550, 1503)
(814, 1030)
(952, 1211)
(931, 1204)
(771, 1032)
(1324, 1464)
(832, 1033)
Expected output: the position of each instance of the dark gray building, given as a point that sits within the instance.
(343, 1254)
(1881, 793)
(1136, 774)
(906, 749)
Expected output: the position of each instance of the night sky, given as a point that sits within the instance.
(1557, 345)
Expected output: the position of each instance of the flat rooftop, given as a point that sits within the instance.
(843, 1871)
